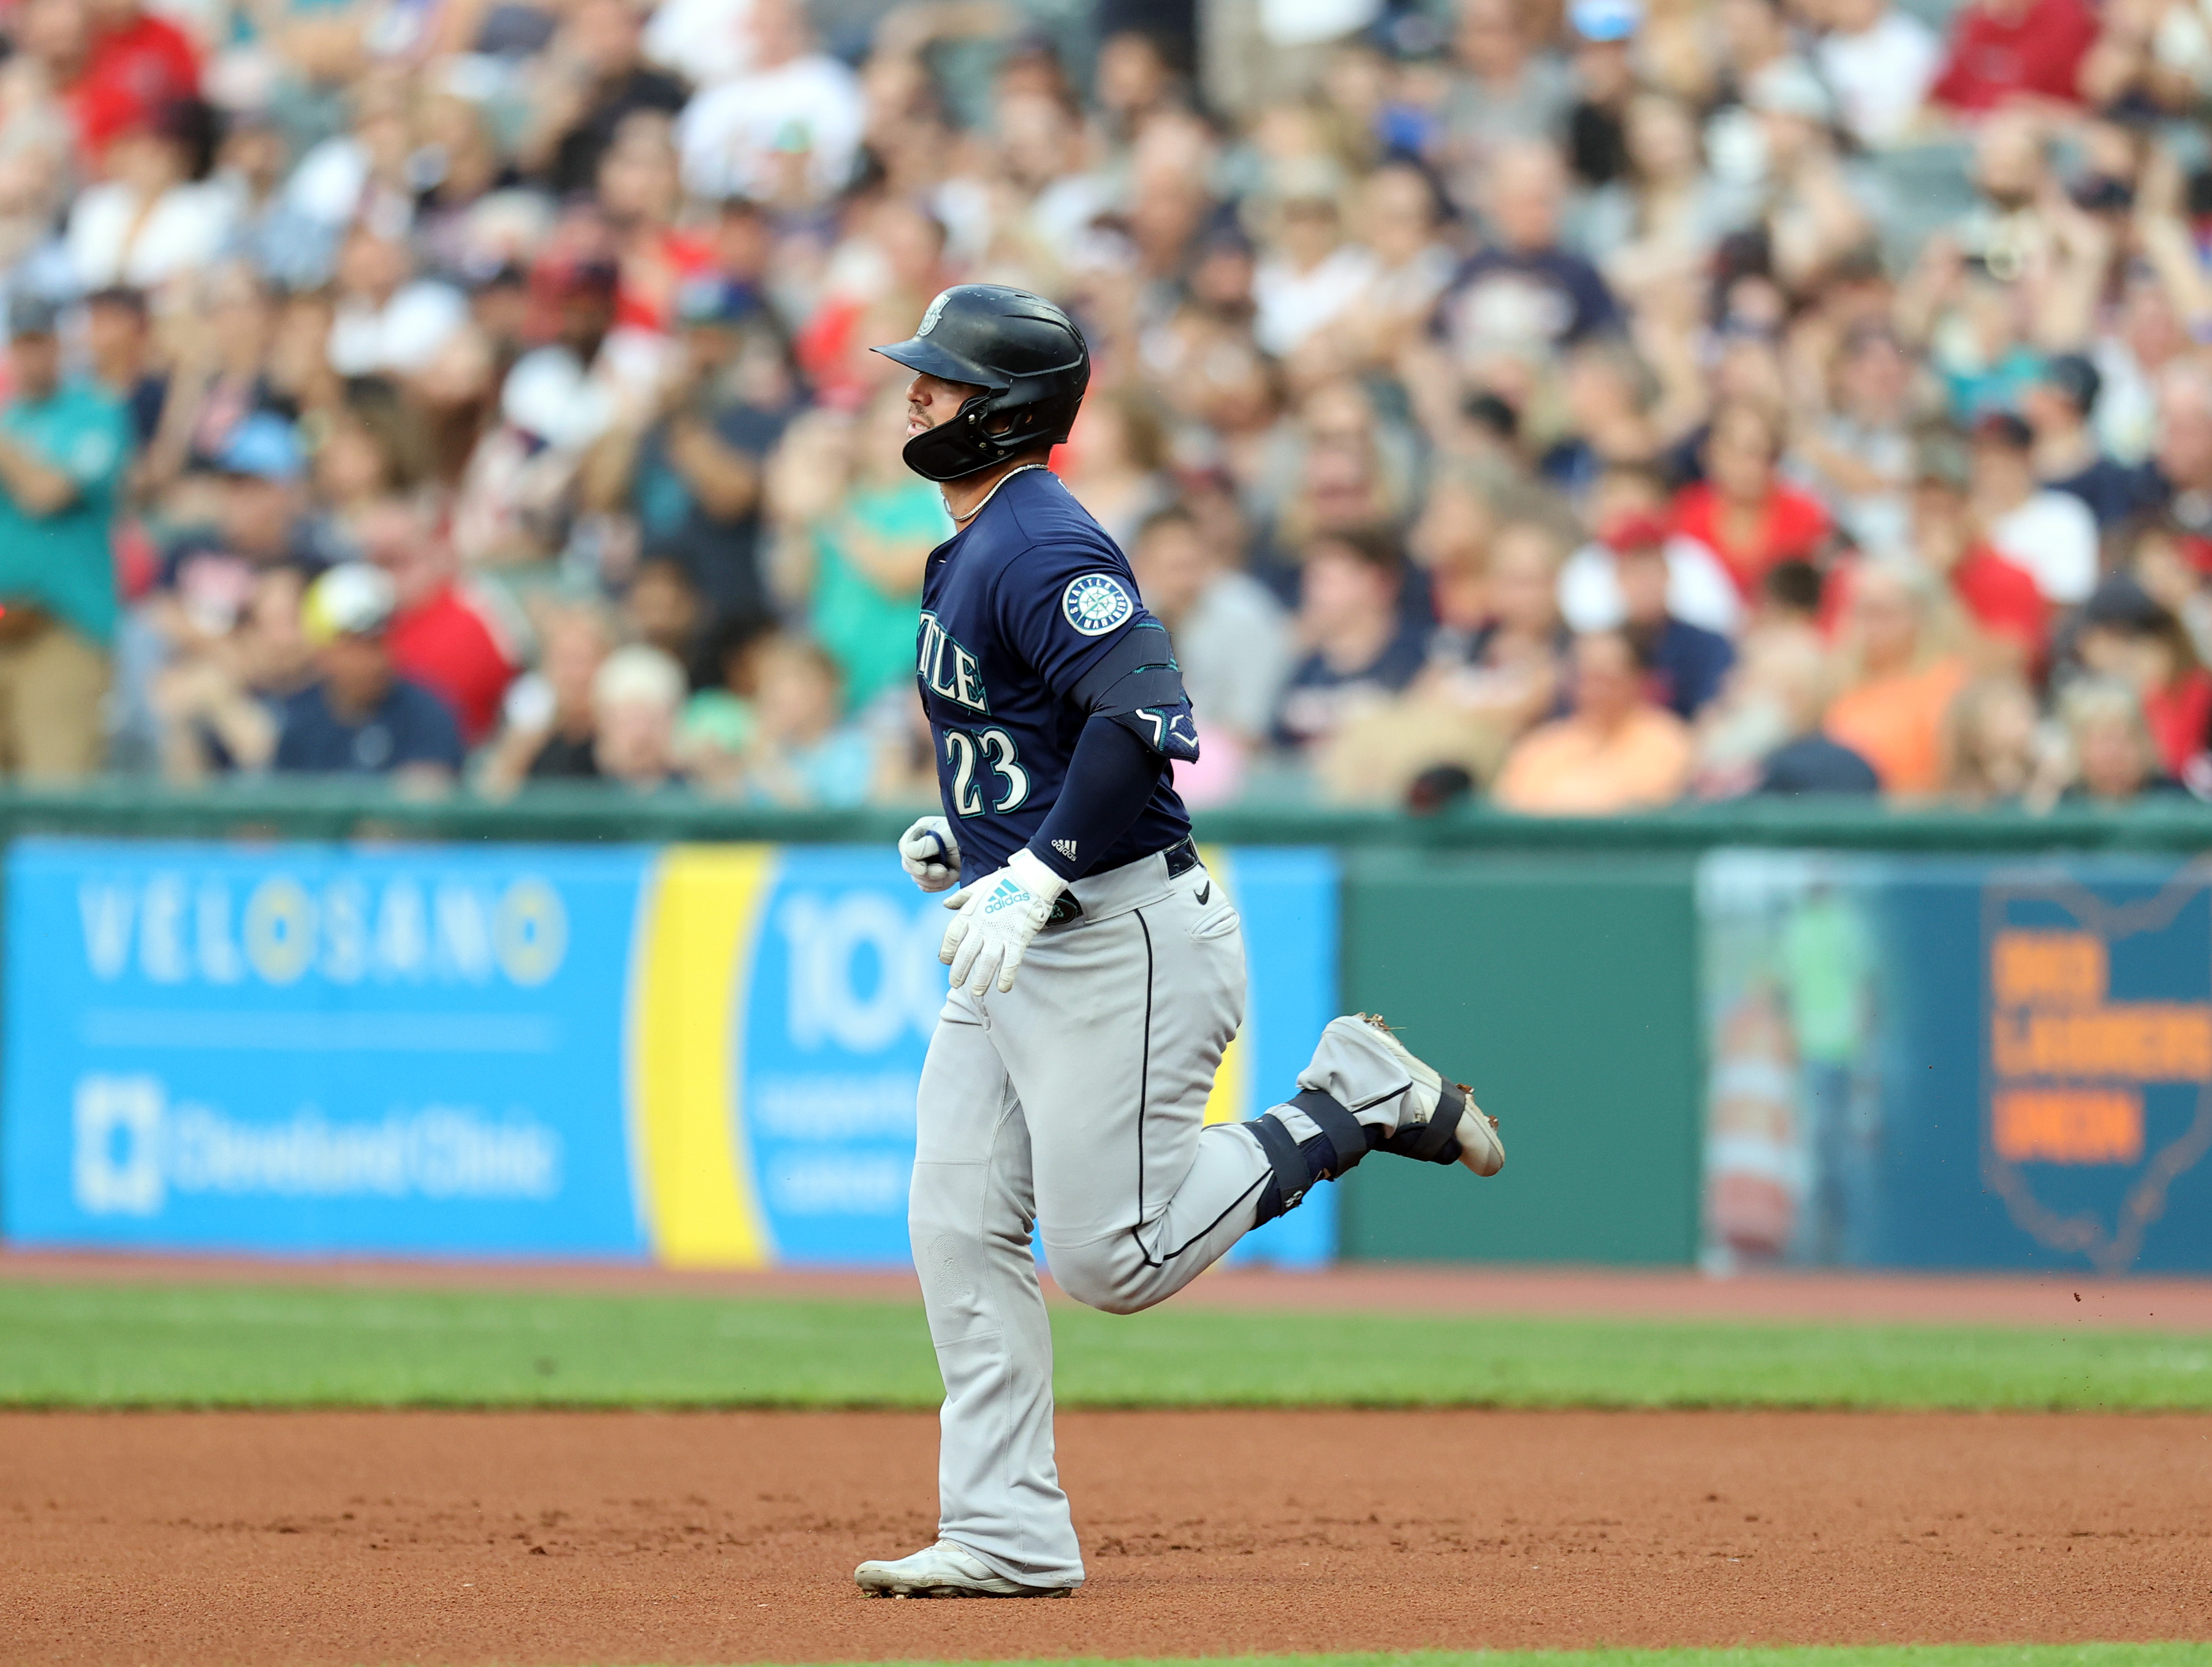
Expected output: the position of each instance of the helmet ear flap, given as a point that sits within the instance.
(966, 444)
(955, 448)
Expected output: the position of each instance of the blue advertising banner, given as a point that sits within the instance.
(1288, 900)
(1948, 1063)
(846, 989)
(707, 1055)
(310, 1048)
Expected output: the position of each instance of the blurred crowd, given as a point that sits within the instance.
(1583, 404)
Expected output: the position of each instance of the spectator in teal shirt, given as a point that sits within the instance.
(63, 446)
(801, 755)
(858, 529)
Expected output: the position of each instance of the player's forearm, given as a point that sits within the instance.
(1110, 779)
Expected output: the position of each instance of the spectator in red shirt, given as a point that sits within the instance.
(1999, 595)
(2127, 634)
(2002, 50)
(639, 197)
(1742, 511)
(439, 636)
(136, 65)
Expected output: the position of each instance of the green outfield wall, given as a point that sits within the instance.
(1565, 987)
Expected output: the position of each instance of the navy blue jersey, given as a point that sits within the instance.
(1015, 609)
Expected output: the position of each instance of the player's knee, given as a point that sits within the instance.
(948, 1249)
(930, 1212)
(950, 1265)
(1100, 1275)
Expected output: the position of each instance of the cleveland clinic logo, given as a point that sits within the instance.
(117, 1167)
(134, 1150)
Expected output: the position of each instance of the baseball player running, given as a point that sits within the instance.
(1097, 973)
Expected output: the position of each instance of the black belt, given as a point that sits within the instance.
(1183, 857)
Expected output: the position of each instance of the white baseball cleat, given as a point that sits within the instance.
(945, 1570)
(1480, 1148)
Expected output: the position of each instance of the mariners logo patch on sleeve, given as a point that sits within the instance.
(1096, 603)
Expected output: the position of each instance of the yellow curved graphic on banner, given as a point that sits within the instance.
(1225, 1102)
(686, 1028)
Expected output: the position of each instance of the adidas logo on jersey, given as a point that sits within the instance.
(1066, 848)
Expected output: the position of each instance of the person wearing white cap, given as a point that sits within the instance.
(637, 694)
(360, 717)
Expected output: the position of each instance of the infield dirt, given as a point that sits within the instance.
(631, 1538)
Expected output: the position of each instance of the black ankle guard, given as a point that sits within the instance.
(1342, 1142)
(1435, 1142)
(1288, 1184)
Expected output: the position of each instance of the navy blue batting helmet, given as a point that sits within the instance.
(1024, 352)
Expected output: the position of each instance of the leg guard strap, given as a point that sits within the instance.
(1347, 1138)
(1292, 1177)
(1342, 1142)
(1436, 1140)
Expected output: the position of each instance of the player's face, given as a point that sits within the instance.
(930, 400)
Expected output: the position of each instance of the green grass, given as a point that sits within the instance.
(121, 1346)
(1879, 1654)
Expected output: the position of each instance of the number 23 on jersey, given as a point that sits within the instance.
(992, 750)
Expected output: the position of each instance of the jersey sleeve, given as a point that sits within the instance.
(1060, 607)
(1074, 615)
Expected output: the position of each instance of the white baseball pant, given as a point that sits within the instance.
(1076, 1102)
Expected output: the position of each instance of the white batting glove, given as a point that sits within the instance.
(999, 915)
(930, 855)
